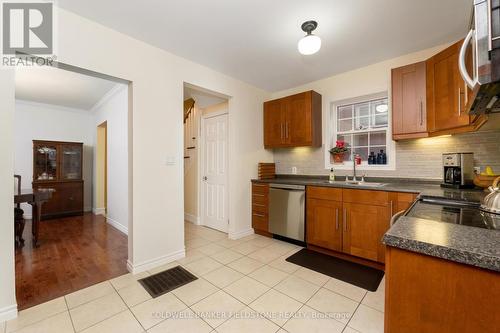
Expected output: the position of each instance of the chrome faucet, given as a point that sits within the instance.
(354, 178)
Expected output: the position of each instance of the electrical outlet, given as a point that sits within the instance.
(477, 170)
(294, 170)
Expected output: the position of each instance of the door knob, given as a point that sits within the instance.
(205, 178)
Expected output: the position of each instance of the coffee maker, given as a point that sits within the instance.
(458, 170)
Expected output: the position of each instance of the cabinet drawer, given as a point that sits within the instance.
(260, 208)
(324, 193)
(260, 221)
(378, 198)
(261, 199)
(260, 188)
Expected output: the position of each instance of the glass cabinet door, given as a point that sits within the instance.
(71, 162)
(45, 162)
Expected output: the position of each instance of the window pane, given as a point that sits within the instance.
(344, 112)
(363, 152)
(345, 138)
(360, 139)
(361, 110)
(362, 123)
(345, 125)
(377, 138)
(380, 120)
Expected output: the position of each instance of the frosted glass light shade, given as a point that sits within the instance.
(309, 44)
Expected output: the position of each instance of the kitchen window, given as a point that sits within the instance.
(364, 125)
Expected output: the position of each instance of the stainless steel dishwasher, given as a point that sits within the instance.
(286, 210)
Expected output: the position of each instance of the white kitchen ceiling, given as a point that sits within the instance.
(256, 40)
(60, 87)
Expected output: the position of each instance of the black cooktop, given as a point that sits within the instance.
(467, 214)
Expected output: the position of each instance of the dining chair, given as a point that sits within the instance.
(18, 216)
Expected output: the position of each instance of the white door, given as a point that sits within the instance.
(214, 173)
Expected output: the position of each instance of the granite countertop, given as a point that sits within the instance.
(424, 187)
(467, 245)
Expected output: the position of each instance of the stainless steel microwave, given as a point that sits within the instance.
(484, 37)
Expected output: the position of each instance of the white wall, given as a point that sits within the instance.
(113, 109)
(157, 96)
(36, 121)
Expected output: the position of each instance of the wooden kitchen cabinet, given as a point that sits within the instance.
(364, 226)
(446, 91)
(260, 209)
(351, 221)
(409, 104)
(430, 98)
(324, 221)
(293, 121)
(433, 295)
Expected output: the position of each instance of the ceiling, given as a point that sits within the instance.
(60, 87)
(202, 98)
(256, 40)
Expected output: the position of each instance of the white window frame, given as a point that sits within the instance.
(331, 132)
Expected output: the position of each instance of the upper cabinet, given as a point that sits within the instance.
(430, 98)
(409, 105)
(293, 121)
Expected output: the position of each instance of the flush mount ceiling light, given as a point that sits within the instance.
(309, 44)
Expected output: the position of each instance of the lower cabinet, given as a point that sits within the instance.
(260, 209)
(364, 226)
(66, 200)
(352, 221)
(324, 223)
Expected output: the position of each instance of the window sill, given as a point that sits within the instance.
(363, 166)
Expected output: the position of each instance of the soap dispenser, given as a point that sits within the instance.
(332, 176)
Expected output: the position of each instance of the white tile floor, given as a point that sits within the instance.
(244, 285)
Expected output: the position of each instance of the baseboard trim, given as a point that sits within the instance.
(99, 211)
(150, 264)
(192, 218)
(241, 234)
(8, 313)
(117, 225)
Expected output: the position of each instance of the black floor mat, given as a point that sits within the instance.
(362, 276)
(163, 282)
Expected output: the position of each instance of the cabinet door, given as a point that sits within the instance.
(447, 93)
(298, 125)
(364, 225)
(274, 123)
(71, 162)
(45, 162)
(324, 223)
(409, 113)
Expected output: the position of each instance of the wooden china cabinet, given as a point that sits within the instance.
(58, 165)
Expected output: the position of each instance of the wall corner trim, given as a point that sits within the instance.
(8, 312)
(240, 234)
(117, 225)
(153, 263)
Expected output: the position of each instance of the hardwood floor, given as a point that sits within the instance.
(73, 253)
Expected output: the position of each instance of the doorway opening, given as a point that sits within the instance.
(206, 152)
(101, 171)
(71, 127)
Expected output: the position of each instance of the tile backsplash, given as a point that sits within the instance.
(414, 158)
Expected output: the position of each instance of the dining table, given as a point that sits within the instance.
(36, 198)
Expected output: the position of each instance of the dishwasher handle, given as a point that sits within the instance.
(288, 187)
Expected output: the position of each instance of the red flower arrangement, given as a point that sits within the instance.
(339, 148)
